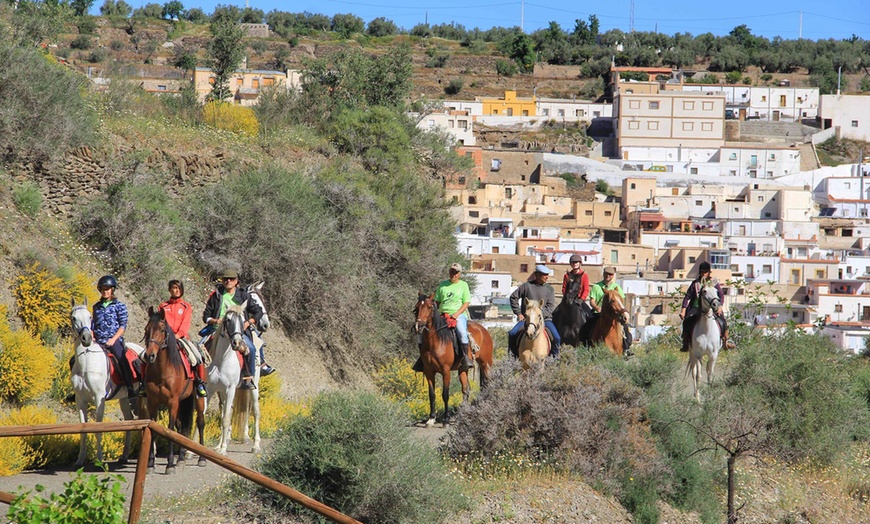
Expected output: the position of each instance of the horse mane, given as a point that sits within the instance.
(171, 341)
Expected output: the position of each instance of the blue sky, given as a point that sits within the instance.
(837, 19)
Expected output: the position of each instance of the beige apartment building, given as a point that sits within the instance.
(669, 119)
(246, 84)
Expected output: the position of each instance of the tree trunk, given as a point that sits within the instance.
(732, 516)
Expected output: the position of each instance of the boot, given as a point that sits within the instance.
(127, 377)
(727, 344)
(513, 340)
(198, 382)
(418, 365)
(687, 338)
(465, 363)
(247, 378)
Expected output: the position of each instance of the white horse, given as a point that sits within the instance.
(706, 338)
(224, 376)
(91, 381)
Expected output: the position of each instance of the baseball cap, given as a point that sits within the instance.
(610, 269)
(456, 266)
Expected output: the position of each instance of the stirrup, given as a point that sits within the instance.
(142, 393)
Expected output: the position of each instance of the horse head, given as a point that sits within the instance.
(424, 311)
(234, 326)
(155, 334)
(534, 319)
(255, 290)
(613, 306)
(80, 321)
(709, 299)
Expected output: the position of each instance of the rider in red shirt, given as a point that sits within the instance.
(576, 272)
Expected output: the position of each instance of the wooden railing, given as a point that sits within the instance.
(147, 427)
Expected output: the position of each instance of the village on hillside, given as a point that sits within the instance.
(684, 172)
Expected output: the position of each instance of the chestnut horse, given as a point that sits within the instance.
(534, 345)
(167, 384)
(437, 355)
(608, 327)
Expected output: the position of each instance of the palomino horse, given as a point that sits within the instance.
(608, 327)
(571, 315)
(706, 338)
(91, 381)
(224, 375)
(167, 384)
(534, 345)
(437, 355)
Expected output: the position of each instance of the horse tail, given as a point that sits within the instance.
(185, 414)
(241, 407)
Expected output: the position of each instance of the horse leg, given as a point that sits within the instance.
(256, 406)
(445, 396)
(226, 420)
(430, 380)
(127, 410)
(98, 417)
(466, 388)
(695, 370)
(200, 427)
(82, 405)
(711, 366)
(173, 420)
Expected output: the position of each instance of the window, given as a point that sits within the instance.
(545, 112)
(795, 276)
(653, 104)
(753, 173)
(688, 126)
(614, 256)
(633, 256)
(699, 202)
(561, 112)
(450, 124)
(652, 126)
(767, 269)
(772, 156)
(692, 260)
(240, 82)
(255, 83)
(838, 308)
(534, 232)
(781, 100)
(633, 185)
(688, 106)
(732, 156)
(525, 112)
(588, 213)
(750, 270)
(706, 126)
(764, 98)
(761, 199)
(707, 106)
(848, 185)
(430, 123)
(495, 112)
(770, 175)
(495, 165)
(693, 171)
(508, 192)
(608, 213)
(634, 104)
(767, 215)
(634, 125)
(463, 124)
(732, 172)
(579, 112)
(474, 214)
(268, 82)
(800, 100)
(854, 123)
(161, 88)
(493, 284)
(524, 268)
(472, 200)
(820, 273)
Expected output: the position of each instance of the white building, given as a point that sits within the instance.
(489, 285)
(848, 114)
(766, 102)
(459, 124)
(759, 160)
(565, 110)
(845, 197)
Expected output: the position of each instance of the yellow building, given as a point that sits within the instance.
(245, 84)
(509, 105)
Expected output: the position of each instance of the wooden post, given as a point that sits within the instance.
(139, 477)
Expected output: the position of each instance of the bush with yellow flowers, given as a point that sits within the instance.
(26, 365)
(231, 117)
(20, 453)
(43, 296)
(398, 382)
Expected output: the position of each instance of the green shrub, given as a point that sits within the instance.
(354, 452)
(506, 67)
(116, 45)
(83, 42)
(86, 499)
(86, 25)
(454, 86)
(27, 198)
(97, 56)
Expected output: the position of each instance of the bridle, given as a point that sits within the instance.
(711, 303)
(536, 325)
(421, 323)
(620, 314)
(80, 331)
(149, 356)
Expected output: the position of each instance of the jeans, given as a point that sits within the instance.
(462, 329)
(252, 352)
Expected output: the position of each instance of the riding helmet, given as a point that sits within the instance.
(704, 267)
(107, 281)
(576, 258)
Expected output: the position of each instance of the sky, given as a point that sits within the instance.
(790, 19)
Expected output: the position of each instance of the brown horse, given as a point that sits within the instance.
(438, 356)
(167, 384)
(608, 328)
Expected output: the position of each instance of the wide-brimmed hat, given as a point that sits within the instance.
(542, 269)
(227, 273)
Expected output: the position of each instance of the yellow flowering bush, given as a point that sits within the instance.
(231, 117)
(42, 298)
(26, 365)
(35, 452)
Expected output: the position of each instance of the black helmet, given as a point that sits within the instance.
(576, 258)
(107, 281)
(704, 267)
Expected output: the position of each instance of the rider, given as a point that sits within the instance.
(596, 295)
(109, 325)
(576, 274)
(229, 294)
(691, 310)
(178, 312)
(536, 288)
(452, 298)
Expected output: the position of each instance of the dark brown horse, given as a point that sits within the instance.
(571, 315)
(167, 384)
(608, 328)
(438, 355)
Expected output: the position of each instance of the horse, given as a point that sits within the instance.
(706, 338)
(608, 327)
(167, 384)
(224, 376)
(571, 315)
(91, 380)
(438, 356)
(534, 345)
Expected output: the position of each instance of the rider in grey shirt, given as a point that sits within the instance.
(535, 289)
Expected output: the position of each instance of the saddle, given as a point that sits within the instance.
(132, 359)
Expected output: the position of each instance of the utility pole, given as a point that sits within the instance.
(522, 15)
(801, 26)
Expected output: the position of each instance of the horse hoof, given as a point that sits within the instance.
(202, 462)
(170, 471)
(445, 424)
(151, 469)
(430, 422)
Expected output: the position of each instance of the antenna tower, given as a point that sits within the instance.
(631, 18)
